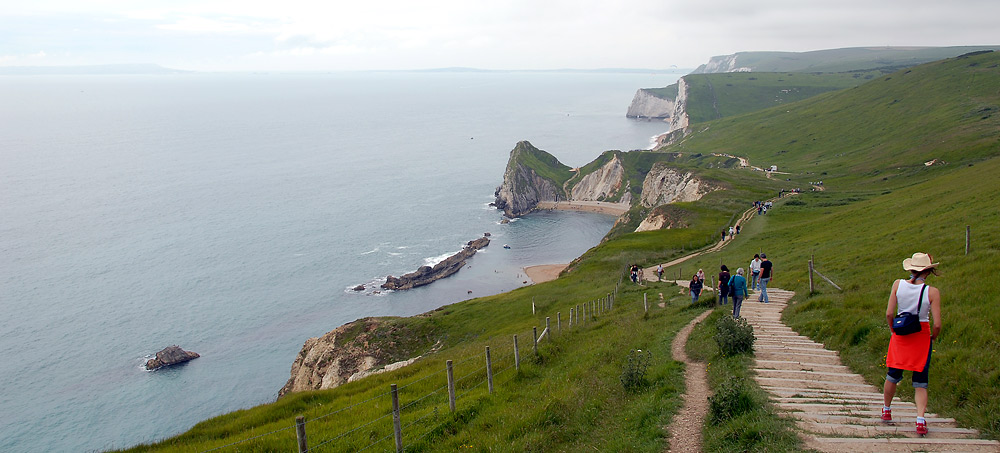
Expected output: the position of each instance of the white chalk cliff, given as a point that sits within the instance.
(664, 184)
(647, 105)
(602, 184)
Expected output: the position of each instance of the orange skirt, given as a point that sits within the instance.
(909, 352)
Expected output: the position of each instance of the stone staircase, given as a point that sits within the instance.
(835, 409)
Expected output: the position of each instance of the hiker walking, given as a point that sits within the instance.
(724, 285)
(912, 351)
(732, 232)
(659, 273)
(754, 271)
(738, 289)
(766, 273)
(695, 287)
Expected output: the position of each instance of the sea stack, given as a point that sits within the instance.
(170, 355)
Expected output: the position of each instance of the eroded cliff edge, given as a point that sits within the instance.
(356, 350)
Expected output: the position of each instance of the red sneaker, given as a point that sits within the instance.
(886, 415)
(921, 428)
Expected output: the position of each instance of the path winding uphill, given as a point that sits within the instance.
(835, 409)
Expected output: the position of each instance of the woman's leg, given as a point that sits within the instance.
(920, 396)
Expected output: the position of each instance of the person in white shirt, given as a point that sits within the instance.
(755, 272)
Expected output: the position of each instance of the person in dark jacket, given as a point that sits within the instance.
(724, 285)
(695, 287)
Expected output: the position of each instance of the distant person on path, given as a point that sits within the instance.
(659, 272)
(766, 273)
(755, 271)
(737, 229)
(723, 235)
(695, 288)
(732, 232)
(724, 285)
(634, 273)
(701, 276)
(738, 285)
(912, 352)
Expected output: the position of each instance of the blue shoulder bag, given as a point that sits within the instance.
(906, 323)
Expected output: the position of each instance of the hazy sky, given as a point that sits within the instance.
(496, 34)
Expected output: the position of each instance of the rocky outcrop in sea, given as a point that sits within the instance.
(427, 274)
(170, 355)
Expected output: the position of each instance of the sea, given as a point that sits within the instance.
(233, 214)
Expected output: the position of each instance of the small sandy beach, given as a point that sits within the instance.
(544, 272)
(600, 207)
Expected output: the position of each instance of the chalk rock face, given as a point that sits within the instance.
(523, 185)
(426, 274)
(664, 184)
(328, 361)
(600, 185)
(722, 63)
(679, 119)
(645, 104)
(170, 355)
(350, 352)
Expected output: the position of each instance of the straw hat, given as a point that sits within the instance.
(919, 262)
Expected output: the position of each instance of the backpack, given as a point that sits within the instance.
(732, 287)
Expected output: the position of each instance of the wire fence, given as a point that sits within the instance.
(402, 417)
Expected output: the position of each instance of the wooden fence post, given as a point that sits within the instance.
(534, 332)
(577, 315)
(968, 238)
(645, 304)
(810, 276)
(532, 306)
(489, 370)
(547, 329)
(396, 425)
(300, 433)
(451, 387)
(559, 322)
(517, 357)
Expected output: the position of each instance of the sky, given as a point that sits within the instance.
(331, 35)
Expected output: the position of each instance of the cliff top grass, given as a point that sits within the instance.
(868, 145)
(848, 59)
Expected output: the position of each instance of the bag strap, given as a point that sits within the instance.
(920, 300)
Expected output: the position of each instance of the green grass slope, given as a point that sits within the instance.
(882, 204)
(846, 59)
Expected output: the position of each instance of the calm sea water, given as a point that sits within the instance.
(231, 215)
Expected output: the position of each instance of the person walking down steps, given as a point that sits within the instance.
(723, 285)
(738, 289)
(766, 273)
(912, 351)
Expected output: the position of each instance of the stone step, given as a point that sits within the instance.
(896, 444)
(770, 348)
(842, 400)
(775, 354)
(799, 365)
(795, 391)
(872, 419)
(820, 375)
(895, 430)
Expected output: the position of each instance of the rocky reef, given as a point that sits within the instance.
(170, 355)
(427, 274)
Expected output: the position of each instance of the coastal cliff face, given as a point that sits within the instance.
(664, 185)
(350, 352)
(645, 104)
(679, 118)
(532, 175)
(721, 63)
(601, 185)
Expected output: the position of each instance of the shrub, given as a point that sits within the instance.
(734, 336)
(634, 376)
(731, 400)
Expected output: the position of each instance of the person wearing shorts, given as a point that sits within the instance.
(913, 351)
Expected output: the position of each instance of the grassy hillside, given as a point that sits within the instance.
(544, 164)
(847, 59)
(868, 144)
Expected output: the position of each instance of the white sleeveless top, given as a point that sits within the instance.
(906, 299)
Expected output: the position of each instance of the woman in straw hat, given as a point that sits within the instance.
(912, 352)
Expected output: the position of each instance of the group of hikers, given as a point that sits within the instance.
(735, 287)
